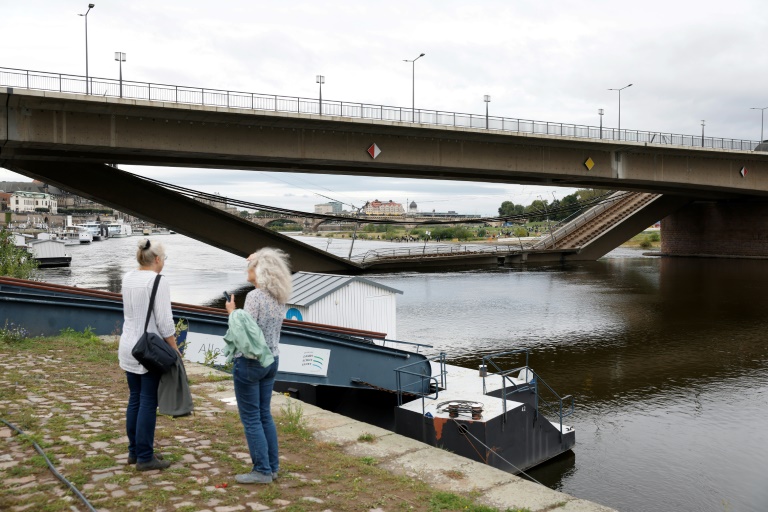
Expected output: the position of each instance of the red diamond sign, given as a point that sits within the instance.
(743, 172)
(374, 151)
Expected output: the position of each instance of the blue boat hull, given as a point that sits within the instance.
(308, 355)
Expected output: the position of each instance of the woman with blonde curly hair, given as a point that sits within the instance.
(255, 365)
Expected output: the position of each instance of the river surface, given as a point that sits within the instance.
(666, 357)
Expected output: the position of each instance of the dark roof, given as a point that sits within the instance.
(310, 287)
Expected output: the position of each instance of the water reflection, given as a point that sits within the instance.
(666, 359)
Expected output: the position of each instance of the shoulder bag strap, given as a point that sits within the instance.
(152, 301)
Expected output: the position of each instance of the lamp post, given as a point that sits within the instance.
(354, 233)
(702, 132)
(600, 113)
(487, 100)
(413, 87)
(120, 57)
(87, 84)
(762, 118)
(321, 80)
(620, 89)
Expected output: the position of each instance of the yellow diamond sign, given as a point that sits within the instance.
(589, 164)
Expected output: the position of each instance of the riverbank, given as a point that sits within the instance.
(67, 394)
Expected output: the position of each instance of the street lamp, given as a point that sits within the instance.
(702, 132)
(120, 57)
(762, 117)
(87, 85)
(487, 100)
(413, 87)
(354, 234)
(600, 113)
(620, 89)
(321, 80)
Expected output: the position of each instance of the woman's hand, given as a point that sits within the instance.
(230, 305)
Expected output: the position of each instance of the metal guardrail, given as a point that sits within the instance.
(129, 89)
(422, 251)
(550, 238)
(422, 379)
(532, 382)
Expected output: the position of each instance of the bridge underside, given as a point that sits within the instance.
(132, 195)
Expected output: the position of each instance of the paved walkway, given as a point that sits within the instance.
(92, 413)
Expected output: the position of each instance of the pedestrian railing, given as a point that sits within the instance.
(551, 237)
(425, 250)
(129, 89)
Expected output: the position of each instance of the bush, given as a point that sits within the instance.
(646, 243)
(14, 261)
(481, 232)
(12, 333)
(520, 231)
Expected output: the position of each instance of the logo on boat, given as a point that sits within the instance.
(294, 314)
(310, 359)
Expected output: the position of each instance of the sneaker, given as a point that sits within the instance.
(155, 463)
(274, 476)
(132, 460)
(254, 477)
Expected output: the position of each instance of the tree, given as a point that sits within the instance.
(510, 209)
(14, 261)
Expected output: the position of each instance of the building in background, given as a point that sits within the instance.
(31, 202)
(388, 209)
(330, 208)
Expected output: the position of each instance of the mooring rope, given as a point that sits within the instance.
(466, 431)
(53, 469)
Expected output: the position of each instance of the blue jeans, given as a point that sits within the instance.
(141, 414)
(253, 390)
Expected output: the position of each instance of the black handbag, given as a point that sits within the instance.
(152, 351)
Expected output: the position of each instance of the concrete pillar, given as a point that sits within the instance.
(737, 228)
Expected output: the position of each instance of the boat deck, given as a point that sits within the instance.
(465, 384)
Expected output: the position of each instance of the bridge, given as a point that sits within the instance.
(50, 132)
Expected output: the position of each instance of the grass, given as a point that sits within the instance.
(366, 437)
(82, 382)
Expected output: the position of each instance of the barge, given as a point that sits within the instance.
(503, 414)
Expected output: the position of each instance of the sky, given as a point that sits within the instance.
(542, 60)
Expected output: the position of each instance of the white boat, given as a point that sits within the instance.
(119, 230)
(49, 253)
(95, 228)
(74, 235)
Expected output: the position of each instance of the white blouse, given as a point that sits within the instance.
(137, 288)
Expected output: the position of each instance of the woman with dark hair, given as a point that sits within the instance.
(254, 333)
(141, 413)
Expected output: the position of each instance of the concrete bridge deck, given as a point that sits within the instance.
(65, 139)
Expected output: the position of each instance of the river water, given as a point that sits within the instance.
(666, 357)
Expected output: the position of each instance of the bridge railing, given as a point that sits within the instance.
(571, 224)
(65, 83)
(422, 251)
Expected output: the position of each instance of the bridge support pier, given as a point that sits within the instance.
(726, 229)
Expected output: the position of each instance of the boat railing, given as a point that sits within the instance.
(562, 407)
(421, 381)
(418, 346)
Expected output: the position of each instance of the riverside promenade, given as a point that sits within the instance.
(74, 408)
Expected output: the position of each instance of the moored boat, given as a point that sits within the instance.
(118, 230)
(499, 415)
(49, 253)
